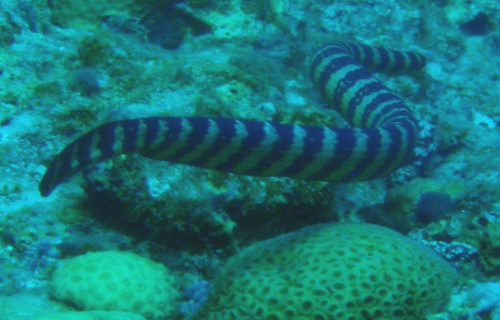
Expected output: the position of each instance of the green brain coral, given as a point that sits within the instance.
(339, 271)
(116, 281)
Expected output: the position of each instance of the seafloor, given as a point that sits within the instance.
(68, 66)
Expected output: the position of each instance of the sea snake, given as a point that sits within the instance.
(381, 139)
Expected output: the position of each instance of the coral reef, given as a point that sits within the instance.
(247, 60)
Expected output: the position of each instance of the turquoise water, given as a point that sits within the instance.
(67, 68)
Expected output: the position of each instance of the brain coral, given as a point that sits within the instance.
(116, 281)
(342, 271)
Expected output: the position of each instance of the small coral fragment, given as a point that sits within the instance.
(489, 253)
(90, 315)
(116, 281)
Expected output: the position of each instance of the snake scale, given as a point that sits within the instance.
(381, 138)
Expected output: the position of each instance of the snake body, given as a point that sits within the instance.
(381, 139)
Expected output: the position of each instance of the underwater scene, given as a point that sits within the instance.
(250, 160)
